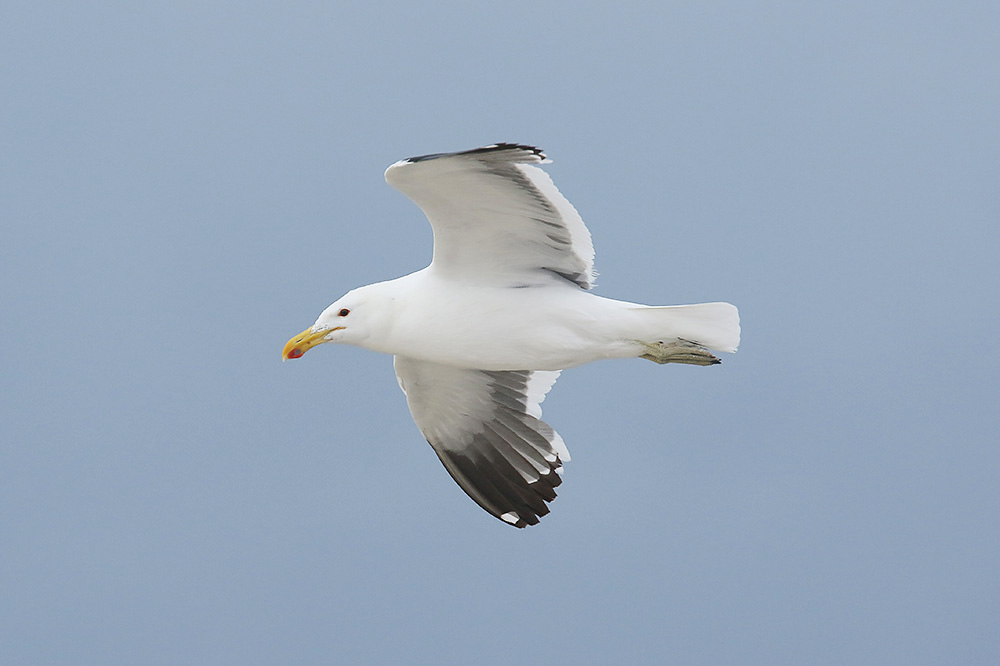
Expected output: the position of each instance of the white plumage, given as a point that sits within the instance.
(480, 335)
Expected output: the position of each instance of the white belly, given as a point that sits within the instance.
(535, 328)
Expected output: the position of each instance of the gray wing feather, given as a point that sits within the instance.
(481, 425)
(497, 217)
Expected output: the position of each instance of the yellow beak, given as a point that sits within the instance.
(305, 341)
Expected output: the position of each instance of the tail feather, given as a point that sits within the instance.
(710, 325)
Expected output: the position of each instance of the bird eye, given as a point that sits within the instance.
(344, 312)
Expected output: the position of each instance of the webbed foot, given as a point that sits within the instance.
(679, 351)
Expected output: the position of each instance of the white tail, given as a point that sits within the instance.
(711, 325)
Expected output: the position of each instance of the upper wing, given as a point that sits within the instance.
(497, 218)
(485, 428)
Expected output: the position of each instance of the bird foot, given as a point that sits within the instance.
(679, 351)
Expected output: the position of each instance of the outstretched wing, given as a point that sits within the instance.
(485, 427)
(497, 218)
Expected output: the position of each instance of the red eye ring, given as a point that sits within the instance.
(344, 312)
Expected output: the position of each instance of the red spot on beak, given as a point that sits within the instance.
(295, 353)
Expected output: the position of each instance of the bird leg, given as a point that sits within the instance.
(679, 351)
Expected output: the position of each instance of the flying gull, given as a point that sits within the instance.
(480, 335)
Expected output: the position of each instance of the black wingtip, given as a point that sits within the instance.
(492, 148)
(495, 485)
(499, 147)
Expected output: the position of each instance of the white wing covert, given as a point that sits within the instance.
(497, 218)
(485, 428)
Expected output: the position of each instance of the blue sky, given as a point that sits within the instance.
(186, 185)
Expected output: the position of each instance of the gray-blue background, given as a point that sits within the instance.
(185, 185)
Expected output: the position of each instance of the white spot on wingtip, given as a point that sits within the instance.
(510, 517)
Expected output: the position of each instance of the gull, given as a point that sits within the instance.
(481, 334)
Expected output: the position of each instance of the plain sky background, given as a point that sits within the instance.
(185, 185)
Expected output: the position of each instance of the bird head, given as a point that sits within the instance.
(336, 324)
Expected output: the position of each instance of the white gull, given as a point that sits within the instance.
(481, 334)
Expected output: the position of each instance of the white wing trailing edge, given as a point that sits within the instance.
(498, 219)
